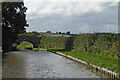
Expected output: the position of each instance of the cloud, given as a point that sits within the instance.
(110, 28)
(73, 16)
(40, 9)
(105, 28)
(72, 1)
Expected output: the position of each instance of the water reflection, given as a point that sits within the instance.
(42, 64)
(13, 66)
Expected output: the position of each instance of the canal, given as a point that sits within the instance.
(42, 64)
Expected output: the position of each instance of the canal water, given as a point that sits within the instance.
(42, 64)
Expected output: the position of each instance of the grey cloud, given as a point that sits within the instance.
(104, 21)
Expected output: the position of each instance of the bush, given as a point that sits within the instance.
(53, 42)
(106, 44)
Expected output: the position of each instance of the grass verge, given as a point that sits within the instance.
(97, 59)
(100, 60)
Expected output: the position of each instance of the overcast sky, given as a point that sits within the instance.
(76, 17)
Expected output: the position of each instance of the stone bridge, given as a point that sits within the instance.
(32, 39)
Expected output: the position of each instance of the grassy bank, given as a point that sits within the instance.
(100, 60)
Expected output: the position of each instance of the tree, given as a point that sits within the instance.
(69, 43)
(59, 32)
(48, 31)
(13, 23)
(68, 32)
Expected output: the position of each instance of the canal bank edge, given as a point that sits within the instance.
(104, 71)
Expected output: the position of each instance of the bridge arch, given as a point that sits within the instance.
(32, 39)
